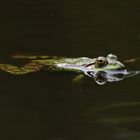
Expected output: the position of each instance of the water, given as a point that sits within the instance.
(47, 106)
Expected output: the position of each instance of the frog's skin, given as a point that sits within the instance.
(102, 69)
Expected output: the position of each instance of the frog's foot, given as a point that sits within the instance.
(78, 79)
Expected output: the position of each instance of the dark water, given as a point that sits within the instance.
(47, 106)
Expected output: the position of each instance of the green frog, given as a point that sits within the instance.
(102, 69)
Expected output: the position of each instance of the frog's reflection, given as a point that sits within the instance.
(102, 77)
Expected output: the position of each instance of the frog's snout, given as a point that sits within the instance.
(121, 67)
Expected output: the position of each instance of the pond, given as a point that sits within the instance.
(46, 105)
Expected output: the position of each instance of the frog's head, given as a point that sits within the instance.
(107, 69)
(108, 64)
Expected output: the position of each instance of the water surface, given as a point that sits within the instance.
(47, 106)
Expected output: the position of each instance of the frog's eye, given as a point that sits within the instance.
(101, 61)
(112, 56)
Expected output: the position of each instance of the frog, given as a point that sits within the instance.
(102, 68)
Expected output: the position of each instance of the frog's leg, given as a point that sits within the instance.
(78, 79)
(28, 68)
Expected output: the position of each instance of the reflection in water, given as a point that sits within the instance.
(102, 77)
(102, 69)
(117, 120)
(117, 105)
(119, 117)
(46, 106)
(122, 127)
(126, 134)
